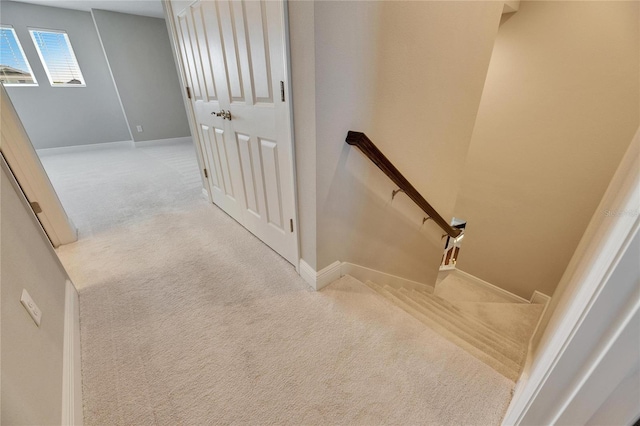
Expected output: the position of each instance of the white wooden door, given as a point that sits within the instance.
(233, 55)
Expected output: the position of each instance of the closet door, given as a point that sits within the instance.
(198, 44)
(234, 51)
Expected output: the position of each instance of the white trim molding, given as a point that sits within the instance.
(333, 272)
(83, 148)
(363, 274)
(71, 365)
(322, 278)
(24, 164)
(168, 141)
(538, 298)
(107, 145)
(307, 273)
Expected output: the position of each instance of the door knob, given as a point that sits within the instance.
(226, 115)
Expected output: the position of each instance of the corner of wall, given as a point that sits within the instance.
(301, 48)
(71, 367)
(319, 280)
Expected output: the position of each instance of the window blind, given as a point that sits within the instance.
(57, 57)
(14, 66)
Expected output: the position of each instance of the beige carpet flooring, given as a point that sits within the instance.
(114, 186)
(187, 319)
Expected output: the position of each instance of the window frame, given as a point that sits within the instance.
(26, 60)
(32, 31)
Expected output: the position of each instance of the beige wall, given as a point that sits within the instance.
(601, 282)
(32, 357)
(559, 108)
(409, 75)
(592, 242)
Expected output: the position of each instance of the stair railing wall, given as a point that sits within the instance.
(368, 148)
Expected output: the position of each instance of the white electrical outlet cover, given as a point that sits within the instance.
(31, 307)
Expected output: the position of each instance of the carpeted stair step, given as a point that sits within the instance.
(515, 320)
(459, 288)
(480, 326)
(461, 337)
(496, 346)
(420, 288)
(485, 353)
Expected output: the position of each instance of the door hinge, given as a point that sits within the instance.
(188, 92)
(282, 91)
(36, 207)
(206, 174)
(291, 224)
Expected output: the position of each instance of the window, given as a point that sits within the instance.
(14, 67)
(58, 58)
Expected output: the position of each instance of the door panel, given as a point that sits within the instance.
(220, 177)
(270, 172)
(233, 53)
(196, 56)
(230, 50)
(224, 161)
(248, 173)
(254, 14)
(203, 51)
(213, 164)
(187, 52)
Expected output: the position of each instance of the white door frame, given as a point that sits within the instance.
(25, 165)
(177, 54)
(289, 93)
(585, 321)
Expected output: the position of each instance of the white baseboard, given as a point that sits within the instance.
(363, 274)
(322, 278)
(106, 145)
(169, 141)
(82, 148)
(205, 194)
(308, 273)
(71, 364)
(538, 298)
(541, 299)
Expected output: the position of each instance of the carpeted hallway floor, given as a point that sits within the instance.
(186, 318)
(109, 187)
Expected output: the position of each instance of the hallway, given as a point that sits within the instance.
(186, 318)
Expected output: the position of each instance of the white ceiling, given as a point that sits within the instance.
(151, 8)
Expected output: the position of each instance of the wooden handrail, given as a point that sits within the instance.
(362, 142)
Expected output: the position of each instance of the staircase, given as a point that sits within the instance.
(489, 326)
(486, 323)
